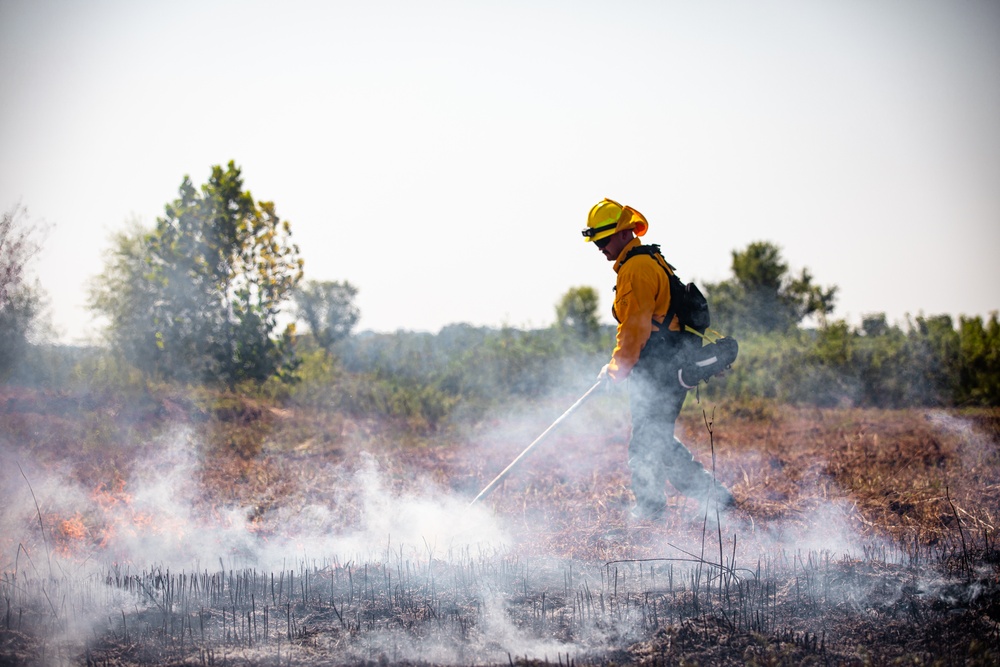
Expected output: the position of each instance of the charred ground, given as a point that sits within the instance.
(863, 537)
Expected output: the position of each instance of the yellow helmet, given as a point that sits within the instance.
(608, 217)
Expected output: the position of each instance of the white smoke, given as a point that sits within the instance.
(426, 538)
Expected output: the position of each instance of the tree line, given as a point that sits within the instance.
(199, 297)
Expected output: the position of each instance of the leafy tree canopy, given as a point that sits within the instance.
(20, 299)
(762, 297)
(329, 310)
(576, 313)
(198, 297)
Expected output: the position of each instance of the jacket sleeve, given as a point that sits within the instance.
(634, 305)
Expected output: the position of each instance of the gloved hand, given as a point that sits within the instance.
(603, 375)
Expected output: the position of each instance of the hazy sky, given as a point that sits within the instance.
(442, 156)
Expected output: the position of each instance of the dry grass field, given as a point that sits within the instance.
(172, 531)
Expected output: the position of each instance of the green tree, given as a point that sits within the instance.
(880, 361)
(762, 297)
(125, 295)
(20, 299)
(980, 360)
(329, 310)
(576, 313)
(198, 297)
(932, 367)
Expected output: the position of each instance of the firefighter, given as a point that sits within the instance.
(648, 351)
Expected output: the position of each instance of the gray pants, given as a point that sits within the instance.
(655, 455)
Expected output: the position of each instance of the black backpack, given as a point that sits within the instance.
(686, 300)
(691, 308)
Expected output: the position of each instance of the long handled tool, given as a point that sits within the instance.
(513, 464)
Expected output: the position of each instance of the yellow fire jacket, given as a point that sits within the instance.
(642, 295)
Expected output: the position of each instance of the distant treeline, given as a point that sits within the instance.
(462, 371)
(928, 361)
(201, 299)
(458, 373)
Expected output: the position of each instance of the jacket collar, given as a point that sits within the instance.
(625, 251)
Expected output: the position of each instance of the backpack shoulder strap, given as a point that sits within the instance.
(676, 286)
(653, 250)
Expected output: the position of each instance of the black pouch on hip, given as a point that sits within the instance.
(706, 361)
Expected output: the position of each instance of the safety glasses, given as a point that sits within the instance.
(602, 243)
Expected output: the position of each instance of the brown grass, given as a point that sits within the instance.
(916, 491)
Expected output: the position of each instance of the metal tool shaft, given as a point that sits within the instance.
(513, 464)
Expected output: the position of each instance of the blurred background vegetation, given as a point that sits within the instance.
(210, 298)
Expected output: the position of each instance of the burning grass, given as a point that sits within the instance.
(255, 535)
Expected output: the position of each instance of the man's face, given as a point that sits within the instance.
(611, 246)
